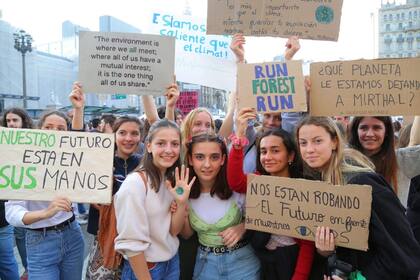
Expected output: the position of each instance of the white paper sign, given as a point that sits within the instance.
(42, 164)
(200, 59)
(126, 63)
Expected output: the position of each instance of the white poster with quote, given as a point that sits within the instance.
(126, 63)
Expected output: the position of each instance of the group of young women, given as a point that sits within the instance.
(187, 183)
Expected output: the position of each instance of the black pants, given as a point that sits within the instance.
(187, 252)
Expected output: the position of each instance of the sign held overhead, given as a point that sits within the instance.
(316, 20)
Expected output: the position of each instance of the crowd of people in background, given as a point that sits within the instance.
(179, 195)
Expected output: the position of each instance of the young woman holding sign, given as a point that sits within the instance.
(147, 231)
(393, 252)
(281, 257)
(222, 253)
(12, 118)
(54, 241)
(374, 137)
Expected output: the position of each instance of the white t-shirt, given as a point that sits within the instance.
(212, 209)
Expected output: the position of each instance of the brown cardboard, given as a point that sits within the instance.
(272, 87)
(296, 207)
(377, 87)
(316, 20)
(43, 164)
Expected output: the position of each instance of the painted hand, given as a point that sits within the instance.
(181, 192)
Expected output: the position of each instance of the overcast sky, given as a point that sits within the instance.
(43, 18)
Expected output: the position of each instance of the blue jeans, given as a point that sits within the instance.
(20, 244)
(8, 266)
(81, 208)
(55, 254)
(238, 264)
(168, 270)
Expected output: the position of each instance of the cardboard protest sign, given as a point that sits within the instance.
(296, 207)
(42, 164)
(316, 20)
(200, 59)
(377, 87)
(125, 62)
(272, 87)
(188, 100)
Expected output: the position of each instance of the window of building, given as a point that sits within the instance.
(410, 15)
(415, 14)
(390, 17)
(402, 16)
(400, 26)
(385, 17)
(410, 45)
(400, 55)
(388, 27)
(410, 24)
(398, 16)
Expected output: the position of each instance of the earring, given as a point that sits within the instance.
(290, 162)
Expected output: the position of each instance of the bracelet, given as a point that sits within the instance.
(238, 141)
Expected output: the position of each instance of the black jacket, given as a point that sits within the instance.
(393, 251)
(413, 206)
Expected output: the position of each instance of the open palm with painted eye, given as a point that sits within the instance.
(182, 188)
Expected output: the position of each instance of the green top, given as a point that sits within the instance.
(208, 234)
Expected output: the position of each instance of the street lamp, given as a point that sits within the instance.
(23, 44)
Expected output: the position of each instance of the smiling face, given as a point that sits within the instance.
(316, 146)
(206, 159)
(14, 121)
(274, 156)
(127, 139)
(272, 120)
(371, 132)
(165, 148)
(54, 122)
(201, 124)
